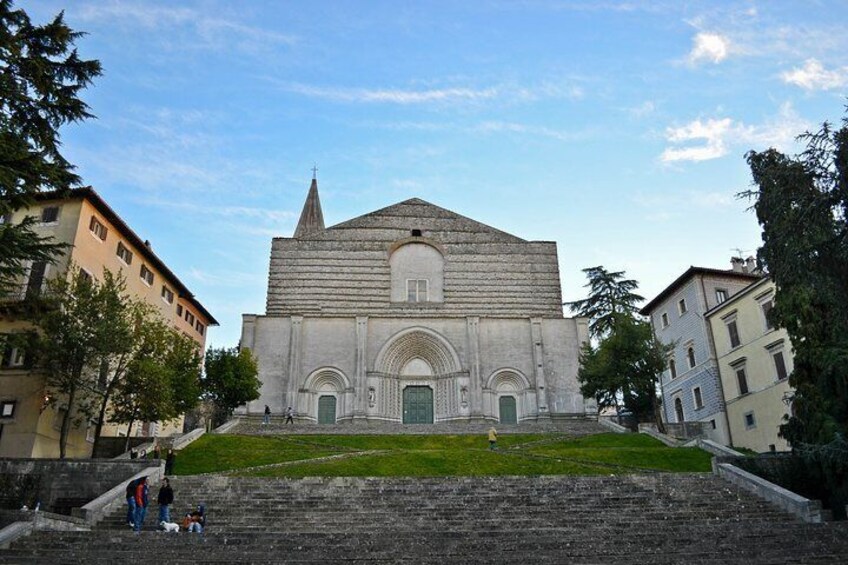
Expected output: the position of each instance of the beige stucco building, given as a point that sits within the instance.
(414, 314)
(755, 360)
(99, 239)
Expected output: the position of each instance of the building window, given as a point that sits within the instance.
(416, 290)
(664, 319)
(750, 421)
(124, 254)
(690, 354)
(86, 276)
(742, 380)
(672, 368)
(721, 295)
(50, 215)
(199, 327)
(678, 409)
(681, 306)
(147, 275)
(37, 274)
(7, 409)
(699, 401)
(767, 306)
(167, 294)
(97, 228)
(189, 317)
(712, 424)
(779, 364)
(179, 309)
(733, 332)
(416, 233)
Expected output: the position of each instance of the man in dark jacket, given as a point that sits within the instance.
(131, 502)
(165, 498)
(141, 499)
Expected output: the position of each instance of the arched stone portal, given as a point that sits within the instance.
(326, 394)
(417, 379)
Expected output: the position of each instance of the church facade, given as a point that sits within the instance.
(414, 314)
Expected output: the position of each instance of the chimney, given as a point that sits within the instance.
(148, 245)
(737, 264)
(750, 265)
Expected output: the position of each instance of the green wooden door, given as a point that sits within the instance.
(327, 410)
(418, 405)
(507, 410)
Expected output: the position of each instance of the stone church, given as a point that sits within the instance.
(414, 314)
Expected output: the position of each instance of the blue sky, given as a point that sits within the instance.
(616, 128)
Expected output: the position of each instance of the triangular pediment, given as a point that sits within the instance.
(416, 213)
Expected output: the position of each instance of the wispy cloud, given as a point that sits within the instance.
(394, 96)
(210, 31)
(566, 90)
(813, 76)
(513, 127)
(708, 48)
(717, 136)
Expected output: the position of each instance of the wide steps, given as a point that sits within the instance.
(652, 519)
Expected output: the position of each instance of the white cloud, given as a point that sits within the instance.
(719, 135)
(709, 47)
(394, 96)
(513, 127)
(813, 76)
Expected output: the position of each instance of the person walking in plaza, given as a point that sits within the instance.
(165, 498)
(142, 492)
(493, 438)
(289, 415)
(267, 418)
(169, 462)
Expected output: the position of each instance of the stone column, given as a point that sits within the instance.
(294, 363)
(539, 367)
(360, 380)
(472, 325)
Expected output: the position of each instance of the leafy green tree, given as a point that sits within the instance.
(230, 379)
(78, 327)
(40, 84)
(801, 203)
(623, 369)
(161, 381)
(609, 294)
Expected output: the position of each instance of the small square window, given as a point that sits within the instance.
(199, 327)
(750, 421)
(189, 317)
(767, 307)
(416, 290)
(167, 294)
(664, 319)
(7, 409)
(721, 295)
(179, 309)
(416, 233)
(147, 275)
(713, 424)
(50, 215)
(98, 229)
(681, 306)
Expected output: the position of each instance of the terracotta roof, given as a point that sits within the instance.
(91, 195)
(688, 274)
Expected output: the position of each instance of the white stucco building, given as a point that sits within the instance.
(414, 314)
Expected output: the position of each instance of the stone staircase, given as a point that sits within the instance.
(253, 426)
(696, 519)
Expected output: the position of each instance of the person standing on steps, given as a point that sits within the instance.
(289, 416)
(493, 438)
(169, 462)
(142, 492)
(267, 418)
(165, 498)
(131, 486)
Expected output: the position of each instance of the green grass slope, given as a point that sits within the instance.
(435, 455)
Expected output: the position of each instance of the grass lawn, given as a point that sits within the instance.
(436, 455)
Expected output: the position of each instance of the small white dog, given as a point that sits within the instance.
(169, 526)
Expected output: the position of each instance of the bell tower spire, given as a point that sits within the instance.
(311, 218)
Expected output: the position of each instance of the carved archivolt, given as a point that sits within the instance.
(327, 379)
(507, 380)
(418, 343)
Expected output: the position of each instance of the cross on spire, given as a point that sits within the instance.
(315, 171)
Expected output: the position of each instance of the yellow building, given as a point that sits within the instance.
(755, 361)
(100, 239)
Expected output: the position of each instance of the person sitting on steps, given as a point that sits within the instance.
(196, 521)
